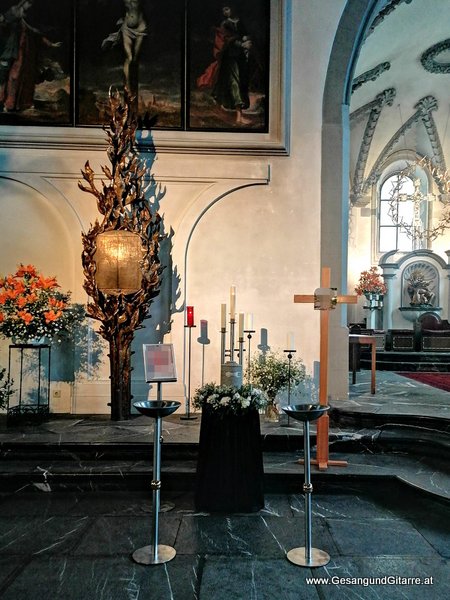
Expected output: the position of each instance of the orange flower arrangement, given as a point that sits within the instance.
(32, 306)
(370, 282)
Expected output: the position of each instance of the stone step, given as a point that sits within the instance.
(408, 361)
(283, 473)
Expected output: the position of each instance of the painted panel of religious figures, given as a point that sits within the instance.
(137, 43)
(36, 60)
(228, 65)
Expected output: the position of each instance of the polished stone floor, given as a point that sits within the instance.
(396, 395)
(78, 546)
(75, 503)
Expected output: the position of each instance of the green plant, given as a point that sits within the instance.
(6, 389)
(273, 373)
(229, 400)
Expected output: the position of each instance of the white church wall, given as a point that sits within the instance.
(249, 221)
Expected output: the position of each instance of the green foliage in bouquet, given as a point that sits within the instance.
(271, 372)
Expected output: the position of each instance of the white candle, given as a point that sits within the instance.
(232, 302)
(223, 316)
(249, 322)
(241, 325)
(290, 341)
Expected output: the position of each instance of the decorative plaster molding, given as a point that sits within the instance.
(428, 58)
(390, 6)
(424, 108)
(385, 98)
(370, 75)
(394, 259)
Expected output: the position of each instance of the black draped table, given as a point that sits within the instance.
(230, 473)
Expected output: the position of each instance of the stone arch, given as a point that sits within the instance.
(37, 230)
(356, 19)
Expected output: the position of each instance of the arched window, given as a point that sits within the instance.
(394, 210)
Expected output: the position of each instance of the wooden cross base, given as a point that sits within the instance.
(322, 460)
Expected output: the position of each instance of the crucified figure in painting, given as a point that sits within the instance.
(133, 29)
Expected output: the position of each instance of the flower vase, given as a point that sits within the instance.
(374, 304)
(374, 300)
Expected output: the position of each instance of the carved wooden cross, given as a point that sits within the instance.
(324, 299)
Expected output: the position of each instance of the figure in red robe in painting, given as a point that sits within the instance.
(228, 75)
(20, 53)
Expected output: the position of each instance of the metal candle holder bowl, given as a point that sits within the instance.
(155, 554)
(307, 556)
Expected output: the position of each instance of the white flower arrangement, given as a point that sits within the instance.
(229, 400)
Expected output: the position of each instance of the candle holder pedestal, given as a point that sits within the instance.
(187, 416)
(249, 337)
(307, 556)
(289, 356)
(155, 553)
(231, 374)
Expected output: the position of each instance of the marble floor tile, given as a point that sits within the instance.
(125, 534)
(383, 578)
(244, 578)
(378, 537)
(246, 536)
(105, 578)
(341, 506)
(35, 535)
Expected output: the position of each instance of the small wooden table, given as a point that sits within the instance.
(355, 339)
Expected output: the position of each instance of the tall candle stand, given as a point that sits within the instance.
(204, 341)
(232, 328)
(223, 333)
(249, 337)
(289, 356)
(241, 350)
(187, 416)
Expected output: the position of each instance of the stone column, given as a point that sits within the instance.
(389, 279)
(447, 252)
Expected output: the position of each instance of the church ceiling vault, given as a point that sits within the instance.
(400, 98)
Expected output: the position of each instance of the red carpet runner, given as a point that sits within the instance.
(437, 380)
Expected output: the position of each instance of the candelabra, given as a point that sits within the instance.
(189, 325)
(204, 341)
(289, 356)
(249, 337)
(223, 333)
(241, 350)
(232, 328)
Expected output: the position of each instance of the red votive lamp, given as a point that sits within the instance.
(190, 316)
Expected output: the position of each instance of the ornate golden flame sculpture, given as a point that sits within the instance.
(121, 306)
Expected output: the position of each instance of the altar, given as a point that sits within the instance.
(230, 474)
